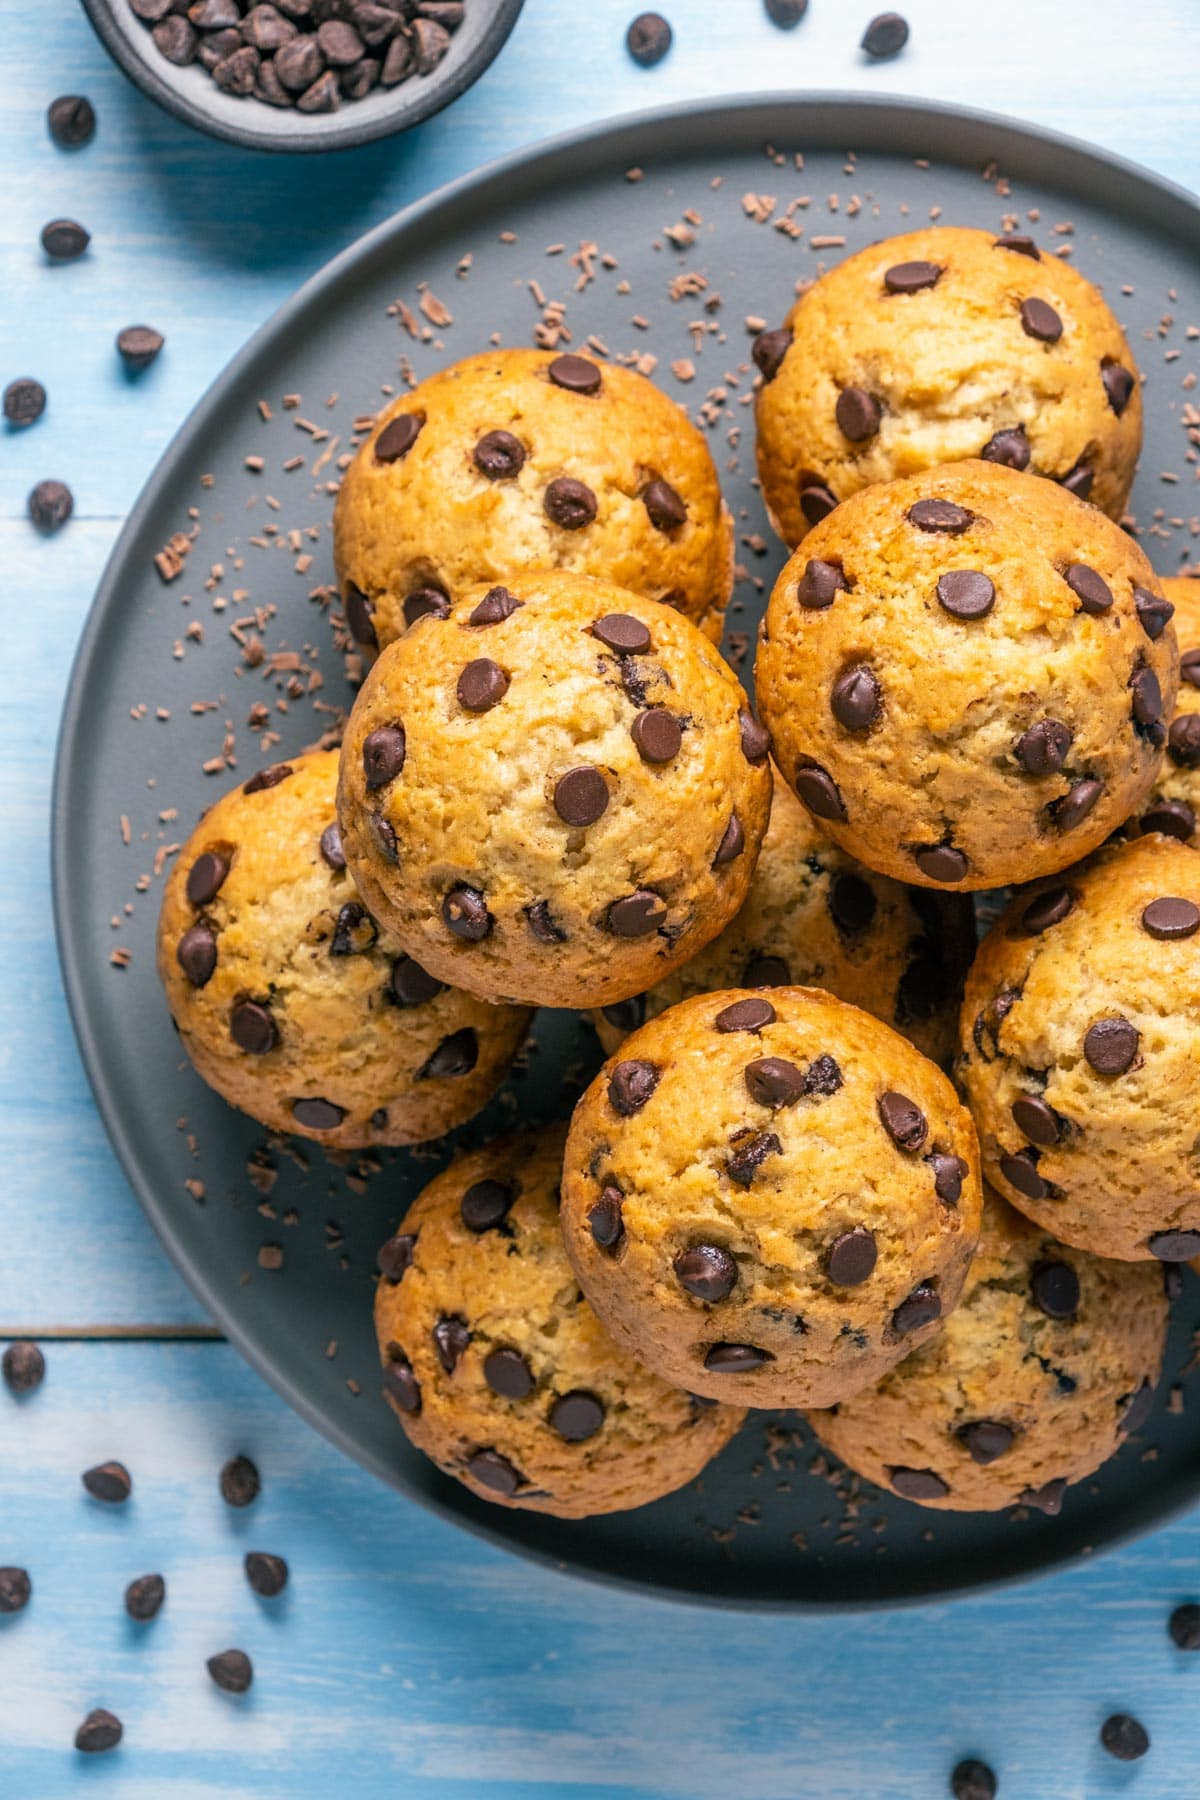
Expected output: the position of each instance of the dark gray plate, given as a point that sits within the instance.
(761, 1530)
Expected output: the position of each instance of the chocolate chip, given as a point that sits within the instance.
(543, 924)
(426, 603)
(508, 1374)
(144, 1597)
(499, 455)
(451, 1336)
(630, 1086)
(50, 505)
(72, 121)
(949, 1173)
(822, 1078)
(940, 515)
(231, 1670)
(1184, 1627)
(1146, 704)
(1010, 448)
(395, 1257)
(1111, 1045)
(23, 1367)
(1119, 384)
(648, 39)
(1039, 1122)
(773, 1082)
(769, 349)
(580, 798)
(605, 1219)
(15, 1589)
(252, 1028)
(820, 584)
(766, 971)
(177, 41)
(1155, 613)
(267, 778)
(1184, 741)
(1124, 1737)
(496, 606)
(816, 501)
(1075, 805)
(384, 834)
(138, 346)
(903, 1120)
(1039, 320)
(966, 593)
(411, 985)
(1023, 246)
(456, 1055)
(750, 1150)
(706, 1271)
(399, 434)
(756, 739)
(1078, 481)
(852, 1257)
(196, 954)
(317, 1114)
(24, 402)
(921, 1307)
(852, 903)
(857, 698)
(917, 1484)
(100, 1731)
(482, 685)
(1170, 918)
(623, 633)
(1175, 1246)
(110, 1482)
(858, 414)
(486, 1204)
(941, 862)
(239, 1481)
(986, 1439)
(360, 617)
(1174, 818)
(576, 1416)
(267, 1574)
(636, 915)
(577, 374)
(465, 914)
(971, 1779)
(1055, 1289)
(625, 1015)
(400, 1382)
(206, 877)
(383, 755)
(818, 790)
(1020, 1171)
(491, 1470)
(665, 507)
(1138, 1408)
(1042, 750)
(732, 844)
(569, 503)
(745, 1015)
(735, 1359)
(64, 239)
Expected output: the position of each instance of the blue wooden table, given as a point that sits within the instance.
(406, 1659)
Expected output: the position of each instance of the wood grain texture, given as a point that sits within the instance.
(406, 1658)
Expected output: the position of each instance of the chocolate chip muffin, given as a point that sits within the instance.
(1174, 803)
(816, 918)
(1080, 1052)
(1046, 1365)
(770, 1198)
(943, 344)
(498, 1368)
(555, 793)
(292, 1002)
(967, 675)
(521, 458)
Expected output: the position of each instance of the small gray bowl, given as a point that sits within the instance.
(192, 95)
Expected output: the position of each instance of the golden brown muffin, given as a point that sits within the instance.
(289, 999)
(1080, 1052)
(1049, 1360)
(770, 1199)
(943, 344)
(555, 794)
(522, 458)
(498, 1368)
(1174, 803)
(816, 918)
(966, 675)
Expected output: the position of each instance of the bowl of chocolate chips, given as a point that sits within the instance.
(303, 74)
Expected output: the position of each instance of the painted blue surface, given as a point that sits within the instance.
(407, 1659)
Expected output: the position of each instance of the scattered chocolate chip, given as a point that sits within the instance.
(110, 1482)
(138, 346)
(637, 914)
(231, 1670)
(252, 1028)
(1174, 818)
(398, 435)
(239, 1481)
(395, 1257)
(623, 633)
(786, 13)
(50, 505)
(919, 1308)
(144, 1597)
(903, 1120)
(1184, 1626)
(15, 1589)
(1119, 384)
(411, 985)
(497, 605)
(1184, 741)
(508, 1374)
(24, 401)
(267, 778)
(1175, 1246)
(491, 1470)
(486, 1204)
(360, 617)
(820, 584)
(769, 349)
(100, 1731)
(1078, 481)
(1111, 1045)
(949, 1173)
(1171, 918)
(400, 1382)
(732, 844)
(852, 1257)
(972, 1780)
(816, 501)
(317, 1114)
(428, 603)
(1010, 448)
(706, 1271)
(482, 685)
(750, 1151)
(576, 1416)
(666, 509)
(451, 1336)
(1124, 1737)
(940, 515)
(1075, 805)
(766, 971)
(756, 739)
(857, 698)
(72, 121)
(986, 1439)
(267, 1574)
(1020, 1171)
(577, 374)
(630, 1086)
(858, 414)
(918, 1484)
(465, 914)
(63, 240)
(648, 39)
(499, 455)
(23, 1367)
(1039, 320)
(966, 593)
(818, 790)
(735, 1359)
(456, 1055)
(569, 503)
(605, 1218)
(1039, 1122)
(196, 954)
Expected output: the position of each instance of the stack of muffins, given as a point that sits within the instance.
(840, 1158)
